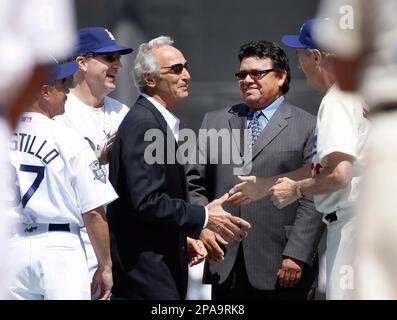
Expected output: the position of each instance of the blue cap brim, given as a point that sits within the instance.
(114, 48)
(62, 71)
(292, 41)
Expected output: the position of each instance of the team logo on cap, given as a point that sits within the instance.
(97, 171)
(110, 35)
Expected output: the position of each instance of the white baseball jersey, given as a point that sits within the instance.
(372, 38)
(29, 31)
(341, 127)
(94, 124)
(59, 179)
(58, 175)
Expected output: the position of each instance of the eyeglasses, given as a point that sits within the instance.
(108, 57)
(177, 68)
(254, 74)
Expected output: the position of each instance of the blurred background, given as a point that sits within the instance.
(209, 33)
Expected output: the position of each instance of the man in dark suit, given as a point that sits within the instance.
(278, 260)
(150, 221)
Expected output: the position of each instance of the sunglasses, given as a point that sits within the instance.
(108, 57)
(254, 74)
(176, 68)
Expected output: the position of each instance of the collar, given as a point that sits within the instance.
(172, 121)
(268, 110)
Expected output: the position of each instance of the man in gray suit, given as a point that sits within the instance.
(278, 260)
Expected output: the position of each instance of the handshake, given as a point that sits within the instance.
(222, 228)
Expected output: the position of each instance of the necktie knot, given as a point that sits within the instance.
(256, 114)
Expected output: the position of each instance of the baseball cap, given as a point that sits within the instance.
(59, 71)
(99, 40)
(304, 39)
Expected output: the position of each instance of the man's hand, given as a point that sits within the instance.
(223, 223)
(283, 192)
(103, 154)
(102, 279)
(290, 271)
(98, 232)
(196, 251)
(210, 240)
(251, 188)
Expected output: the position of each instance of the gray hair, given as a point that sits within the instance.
(146, 62)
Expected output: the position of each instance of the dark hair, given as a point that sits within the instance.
(266, 49)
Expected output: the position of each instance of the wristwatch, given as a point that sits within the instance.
(298, 191)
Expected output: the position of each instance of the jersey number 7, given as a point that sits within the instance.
(39, 170)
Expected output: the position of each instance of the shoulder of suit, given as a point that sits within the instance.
(235, 109)
(139, 114)
(298, 111)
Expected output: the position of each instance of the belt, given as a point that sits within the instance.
(26, 230)
(59, 227)
(330, 217)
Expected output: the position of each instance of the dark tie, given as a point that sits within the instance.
(254, 128)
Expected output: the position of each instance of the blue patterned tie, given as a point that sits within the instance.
(254, 128)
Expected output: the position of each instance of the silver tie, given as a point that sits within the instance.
(254, 128)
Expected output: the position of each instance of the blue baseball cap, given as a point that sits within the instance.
(99, 40)
(304, 39)
(59, 71)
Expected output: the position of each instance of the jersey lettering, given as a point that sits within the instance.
(92, 144)
(24, 142)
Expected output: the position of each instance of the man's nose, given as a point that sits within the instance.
(248, 78)
(186, 74)
(117, 63)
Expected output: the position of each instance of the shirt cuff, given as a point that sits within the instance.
(206, 217)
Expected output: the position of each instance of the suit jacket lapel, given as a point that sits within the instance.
(276, 124)
(167, 130)
(159, 117)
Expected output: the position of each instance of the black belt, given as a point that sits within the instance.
(59, 227)
(331, 217)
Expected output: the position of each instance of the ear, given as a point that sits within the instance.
(150, 80)
(82, 63)
(45, 91)
(281, 76)
(317, 55)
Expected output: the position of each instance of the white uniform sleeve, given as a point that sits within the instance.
(336, 130)
(91, 186)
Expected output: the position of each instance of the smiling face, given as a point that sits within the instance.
(101, 72)
(169, 87)
(261, 92)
